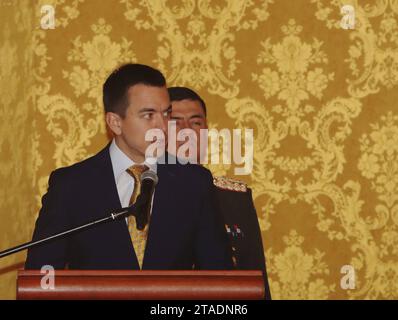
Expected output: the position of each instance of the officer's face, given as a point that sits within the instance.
(149, 108)
(188, 114)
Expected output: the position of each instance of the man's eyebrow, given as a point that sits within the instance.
(143, 110)
(197, 116)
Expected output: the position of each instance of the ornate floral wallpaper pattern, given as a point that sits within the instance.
(320, 98)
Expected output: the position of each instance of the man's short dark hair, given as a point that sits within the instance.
(183, 93)
(119, 81)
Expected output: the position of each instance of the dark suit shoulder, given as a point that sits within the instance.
(191, 171)
(200, 170)
(78, 169)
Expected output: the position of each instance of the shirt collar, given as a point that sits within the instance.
(121, 162)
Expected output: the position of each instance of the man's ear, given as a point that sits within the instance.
(114, 122)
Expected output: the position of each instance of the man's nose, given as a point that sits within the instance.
(161, 123)
(184, 124)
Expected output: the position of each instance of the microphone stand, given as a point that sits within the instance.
(118, 214)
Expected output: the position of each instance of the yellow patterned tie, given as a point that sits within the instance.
(138, 237)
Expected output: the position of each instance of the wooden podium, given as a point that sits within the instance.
(143, 285)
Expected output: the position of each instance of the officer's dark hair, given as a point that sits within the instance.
(122, 79)
(183, 93)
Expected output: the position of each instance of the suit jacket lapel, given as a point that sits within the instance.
(106, 183)
(162, 203)
(104, 173)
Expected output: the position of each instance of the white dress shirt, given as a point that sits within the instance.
(124, 181)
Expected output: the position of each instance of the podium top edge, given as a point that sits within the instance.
(119, 273)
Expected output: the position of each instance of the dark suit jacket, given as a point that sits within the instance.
(238, 211)
(183, 232)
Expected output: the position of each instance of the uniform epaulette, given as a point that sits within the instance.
(229, 184)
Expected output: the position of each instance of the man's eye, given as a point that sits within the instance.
(167, 114)
(197, 123)
(147, 116)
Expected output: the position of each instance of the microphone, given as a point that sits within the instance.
(149, 180)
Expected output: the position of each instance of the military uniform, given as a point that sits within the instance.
(240, 218)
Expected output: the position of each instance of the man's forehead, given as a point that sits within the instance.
(187, 107)
(143, 96)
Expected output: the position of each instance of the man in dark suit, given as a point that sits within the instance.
(183, 230)
(233, 197)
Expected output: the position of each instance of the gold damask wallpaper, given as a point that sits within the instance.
(321, 98)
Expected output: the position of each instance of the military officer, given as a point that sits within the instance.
(234, 197)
